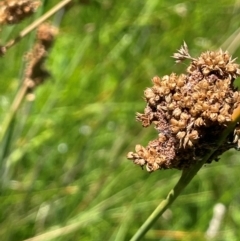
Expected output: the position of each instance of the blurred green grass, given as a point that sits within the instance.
(66, 175)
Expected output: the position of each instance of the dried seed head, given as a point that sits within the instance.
(221, 118)
(235, 96)
(193, 135)
(180, 81)
(182, 54)
(190, 111)
(168, 98)
(148, 93)
(172, 105)
(156, 81)
(181, 134)
(46, 34)
(161, 137)
(35, 69)
(174, 122)
(184, 116)
(205, 106)
(220, 63)
(14, 11)
(182, 123)
(145, 119)
(177, 112)
(215, 107)
(199, 121)
(175, 129)
(177, 96)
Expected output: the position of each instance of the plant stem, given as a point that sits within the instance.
(13, 109)
(36, 23)
(23, 89)
(186, 177)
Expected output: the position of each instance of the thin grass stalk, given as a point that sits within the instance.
(4, 152)
(185, 179)
(37, 22)
(7, 129)
(13, 109)
(23, 89)
(8, 122)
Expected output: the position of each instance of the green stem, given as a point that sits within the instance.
(4, 151)
(186, 177)
(36, 23)
(13, 109)
(22, 91)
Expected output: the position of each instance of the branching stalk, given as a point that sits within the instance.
(186, 177)
(36, 23)
(23, 89)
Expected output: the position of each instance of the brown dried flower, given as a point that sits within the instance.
(35, 72)
(189, 111)
(182, 54)
(14, 11)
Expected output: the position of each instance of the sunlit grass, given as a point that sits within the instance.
(66, 175)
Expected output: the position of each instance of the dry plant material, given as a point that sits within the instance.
(190, 111)
(35, 72)
(14, 11)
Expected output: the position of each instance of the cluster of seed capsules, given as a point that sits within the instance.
(14, 11)
(190, 111)
(35, 72)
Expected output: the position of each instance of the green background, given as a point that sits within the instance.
(65, 175)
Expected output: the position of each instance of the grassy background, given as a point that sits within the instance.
(66, 176)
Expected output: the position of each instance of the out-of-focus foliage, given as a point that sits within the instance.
(66, 176)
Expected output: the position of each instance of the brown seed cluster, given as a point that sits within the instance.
(35, 72)
(14, 11)
(189, 111)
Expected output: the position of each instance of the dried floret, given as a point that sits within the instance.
(35, 72)
(14, 11)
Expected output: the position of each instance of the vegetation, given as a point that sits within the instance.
(64, 171)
